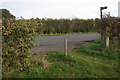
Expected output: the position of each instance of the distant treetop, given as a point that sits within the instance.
(4, 13)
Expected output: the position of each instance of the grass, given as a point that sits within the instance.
(95, 49)
(56, 34)
(89, 61)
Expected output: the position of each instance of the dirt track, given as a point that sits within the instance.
(56, 43)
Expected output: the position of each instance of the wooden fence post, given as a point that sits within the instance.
(107, 37)
(65, 47)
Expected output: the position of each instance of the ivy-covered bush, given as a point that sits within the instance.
(16, 44)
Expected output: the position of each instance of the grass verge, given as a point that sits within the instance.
(89, 61)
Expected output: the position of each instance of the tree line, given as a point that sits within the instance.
(48, 26)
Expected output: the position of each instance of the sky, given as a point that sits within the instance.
(83, 9)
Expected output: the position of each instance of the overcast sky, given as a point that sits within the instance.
(83, 9)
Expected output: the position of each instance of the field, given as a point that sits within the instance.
(88, 61)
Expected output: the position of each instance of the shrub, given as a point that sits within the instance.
(16, 43)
